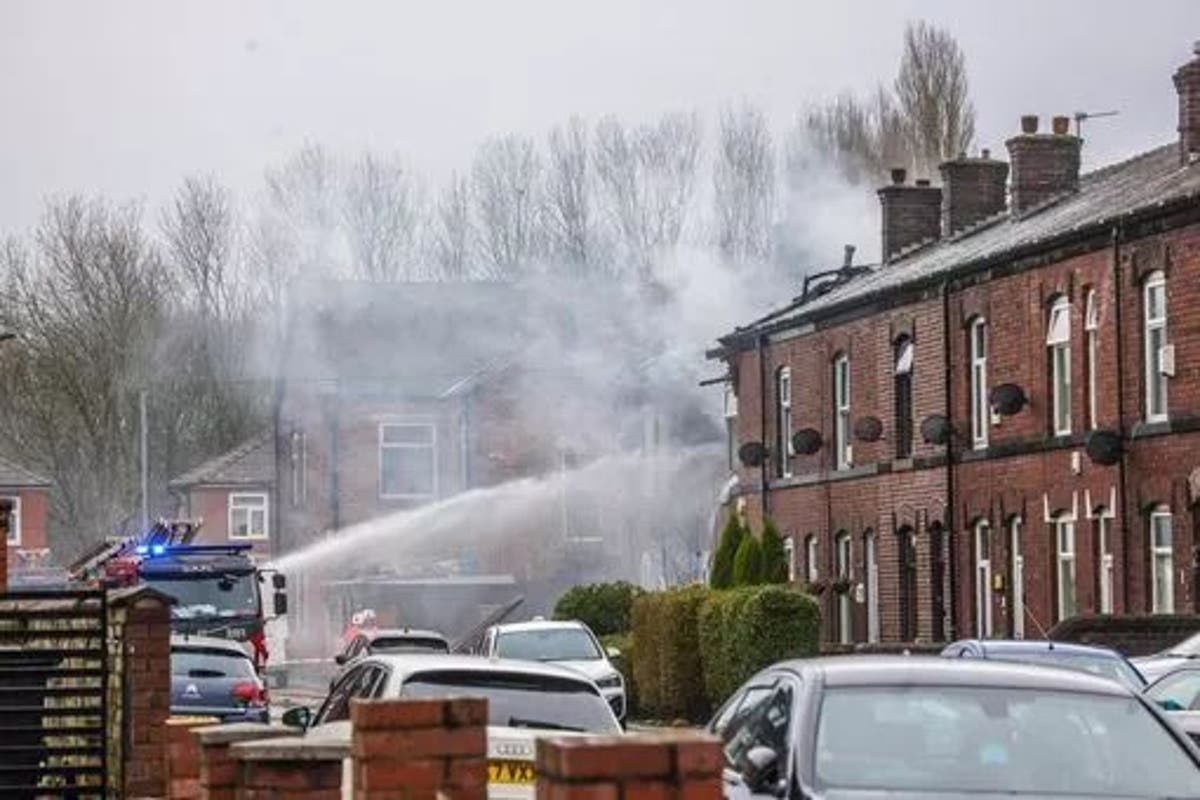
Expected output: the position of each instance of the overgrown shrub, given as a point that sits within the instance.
(606, 608)
(721, 576)
(747, 564)
(624, 664)
(774, 556)
(666, 657)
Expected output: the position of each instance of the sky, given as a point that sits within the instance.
(126, 97)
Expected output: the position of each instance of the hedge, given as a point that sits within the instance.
(721, 576)
(745, 630)
(666, 657)
(606, 608)
(624, 662)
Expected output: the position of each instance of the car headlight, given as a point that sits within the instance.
(611, 682)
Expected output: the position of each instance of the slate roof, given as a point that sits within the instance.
(251, 463)
(1148, 181)
(15, 476)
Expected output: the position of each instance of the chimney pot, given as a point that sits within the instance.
(1062, 125)
(899, 174)
(1196, 47)
(985, 154)
(1029, 123)
(922, 181)
(848, 256)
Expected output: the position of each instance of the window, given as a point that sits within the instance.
(871, 572)
(248, 516)
(10, 519)
(1091, 324)
(731, 413)
(783, 419)
(1105, 563)
(979, 399)
(841, 412)
(811, 572)
(299, 459)
(1018, 578)
(1162, 562)
(983, 579)
(789, 552)
(903, 397)
(407, 461)
(765, 726)
(1058, 340)
(842, 557)
(1064, 537)
(1154, 300)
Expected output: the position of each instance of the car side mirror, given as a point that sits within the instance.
(280, 604)
(339, 659)
(298, 717)
(279, 581)
(612, 652)
(762, 773)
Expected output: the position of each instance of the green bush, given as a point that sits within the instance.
(606, 608)
(666, 657)
(747, 564)
(734, 531)
(624, 663)
(774, 556)
(745, 630)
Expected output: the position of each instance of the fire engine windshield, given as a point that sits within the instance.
(211, 596)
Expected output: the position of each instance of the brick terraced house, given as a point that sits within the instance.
(998, 427)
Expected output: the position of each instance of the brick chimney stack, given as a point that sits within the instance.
(973, 189)
(911, 214)
(1187, 84)
(1044, 165)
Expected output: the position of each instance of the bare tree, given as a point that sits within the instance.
(452, 230)
(200, 231)
(933, 95)
(506, 175)
(744, 185)
(569, 220)
(303, 197)
(383, 213)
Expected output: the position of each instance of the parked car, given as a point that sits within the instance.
(569, 643)
(907, 726)
(1178, 690)
(1100, 661)
(525, 700)
(388, 640)
(1189, 723)
(216, 678)
(1159, 664)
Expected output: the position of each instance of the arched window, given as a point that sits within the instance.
(1063, 526)
(842, 565)
(1091, 327)
(983, 579)
(783, 420)
(906, 542)
(902, 389)
(841, 412)
(1154, 303)
(1162, 561)
(1058, 342)
(812, 572)
(871, 577)
(979, 400)
(1018, 578)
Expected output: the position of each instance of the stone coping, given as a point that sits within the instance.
(241, 732)
(314, 747)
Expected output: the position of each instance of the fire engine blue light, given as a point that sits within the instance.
(141, 549)
(158, 549)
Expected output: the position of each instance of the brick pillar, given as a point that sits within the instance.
(295, 768)
(139, 689)
(217, 769)
(183, 756)
(429, 748)
(663, 766)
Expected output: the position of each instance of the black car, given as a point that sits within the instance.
(215, 678)
(861, 726)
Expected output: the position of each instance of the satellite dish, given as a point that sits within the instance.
(868, 429)
(806, 441)
(753, 454)
(1008, 399)
(935, 429)
(1104, 447)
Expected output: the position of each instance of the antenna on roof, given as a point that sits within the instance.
(1082, 116)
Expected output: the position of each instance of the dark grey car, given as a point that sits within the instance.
(215, 678)
(864, 726)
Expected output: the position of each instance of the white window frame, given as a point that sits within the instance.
(1018, 577)
(731, 414)
(262, 502)
(1058, 342)
(783, 418)
(983, 580)
(841, 412)
(789, 552)
(1065, 560)
(980, 411)
(432, 445)
(1160, 604)
(14, 533)
(1091, 324)
(871, 561)
(1104, 517)
(812, 570)
(1152, 326)
(843, 553)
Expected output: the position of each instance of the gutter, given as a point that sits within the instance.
(949, 528)
(765, 468)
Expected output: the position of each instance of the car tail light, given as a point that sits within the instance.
(250, 693)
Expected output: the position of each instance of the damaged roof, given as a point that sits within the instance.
(1145, 183)
(252, 463)
(15, 476)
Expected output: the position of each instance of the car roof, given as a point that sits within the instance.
(1039, 645)
(863, 670)
(182, 642)
(407, 664)
(540, 625)
(401, 633)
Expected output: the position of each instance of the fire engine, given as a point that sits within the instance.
(217, 587)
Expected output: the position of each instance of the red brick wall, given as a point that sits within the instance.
(212, 506)
(35, 507)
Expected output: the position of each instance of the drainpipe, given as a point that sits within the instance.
(951, 531)
(1122, 477)
(765, 469)
(335, 504)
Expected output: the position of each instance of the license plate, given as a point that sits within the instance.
(511, 772)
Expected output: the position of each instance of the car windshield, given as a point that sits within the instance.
(979, 739)
(409, 644)
(1106, 666)
(519, 700)
(193, 663)
(548, 644)
(199, 598)
(1189, 647)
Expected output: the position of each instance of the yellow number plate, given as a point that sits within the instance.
(510, 772)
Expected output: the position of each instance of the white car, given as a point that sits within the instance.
(571, 644)
(525, 700)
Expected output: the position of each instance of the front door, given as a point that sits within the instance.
(907, 541)
(937, 581)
